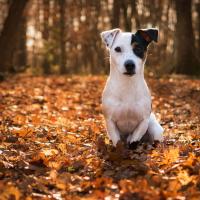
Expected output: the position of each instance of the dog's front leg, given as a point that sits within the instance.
(139, 132)
(112, 131)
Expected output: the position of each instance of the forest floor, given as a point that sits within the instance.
(53, 143)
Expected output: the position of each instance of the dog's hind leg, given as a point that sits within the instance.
(155, 129)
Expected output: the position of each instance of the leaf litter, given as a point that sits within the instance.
(54, 143)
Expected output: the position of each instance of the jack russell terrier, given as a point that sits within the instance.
(126, 99)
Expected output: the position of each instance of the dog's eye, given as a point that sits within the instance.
(138, 50)
(118, 49)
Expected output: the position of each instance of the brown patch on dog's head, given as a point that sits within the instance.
(134, 44)
(145, 36)
(138, 49)
(148, 35)
(141, 39)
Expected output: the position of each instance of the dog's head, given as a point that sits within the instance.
(128, 50)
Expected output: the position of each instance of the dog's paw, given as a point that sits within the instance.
(129, 139)
(115, 140)
(132, 138)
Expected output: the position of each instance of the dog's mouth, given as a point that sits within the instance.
(129, 73)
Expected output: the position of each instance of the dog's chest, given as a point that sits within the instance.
(127, 107)
(127, 115)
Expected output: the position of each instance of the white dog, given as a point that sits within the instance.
(126, 99)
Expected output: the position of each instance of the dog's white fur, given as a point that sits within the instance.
(126, 101)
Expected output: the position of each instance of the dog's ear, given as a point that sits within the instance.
(148, 35)
(108, 37)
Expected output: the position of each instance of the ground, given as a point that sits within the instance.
(53, 143)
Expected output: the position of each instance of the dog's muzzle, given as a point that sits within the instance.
(130, 68)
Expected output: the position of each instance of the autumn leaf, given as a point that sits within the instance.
(53, 144)
(9, 191)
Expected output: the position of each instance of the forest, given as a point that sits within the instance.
(53, 69)
(56, 37)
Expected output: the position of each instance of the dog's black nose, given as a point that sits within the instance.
(130, 66)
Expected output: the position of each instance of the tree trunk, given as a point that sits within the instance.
(127, 18)
(45, 36)
(21, 56)
(186, 59)
(116, 14)
(198, 11)
(134, 13)
(9, 34)
(63, 69)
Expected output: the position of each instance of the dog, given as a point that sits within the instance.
(126, 100)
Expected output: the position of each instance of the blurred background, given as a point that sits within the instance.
(63, 36)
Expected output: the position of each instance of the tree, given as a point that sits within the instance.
(116, 14)
(134, 13)
(186, 58)
(198, 11)
(21, 52)
(45, 36)
(62, 4)
(127, 17)
(9, 34)
(22, 43)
